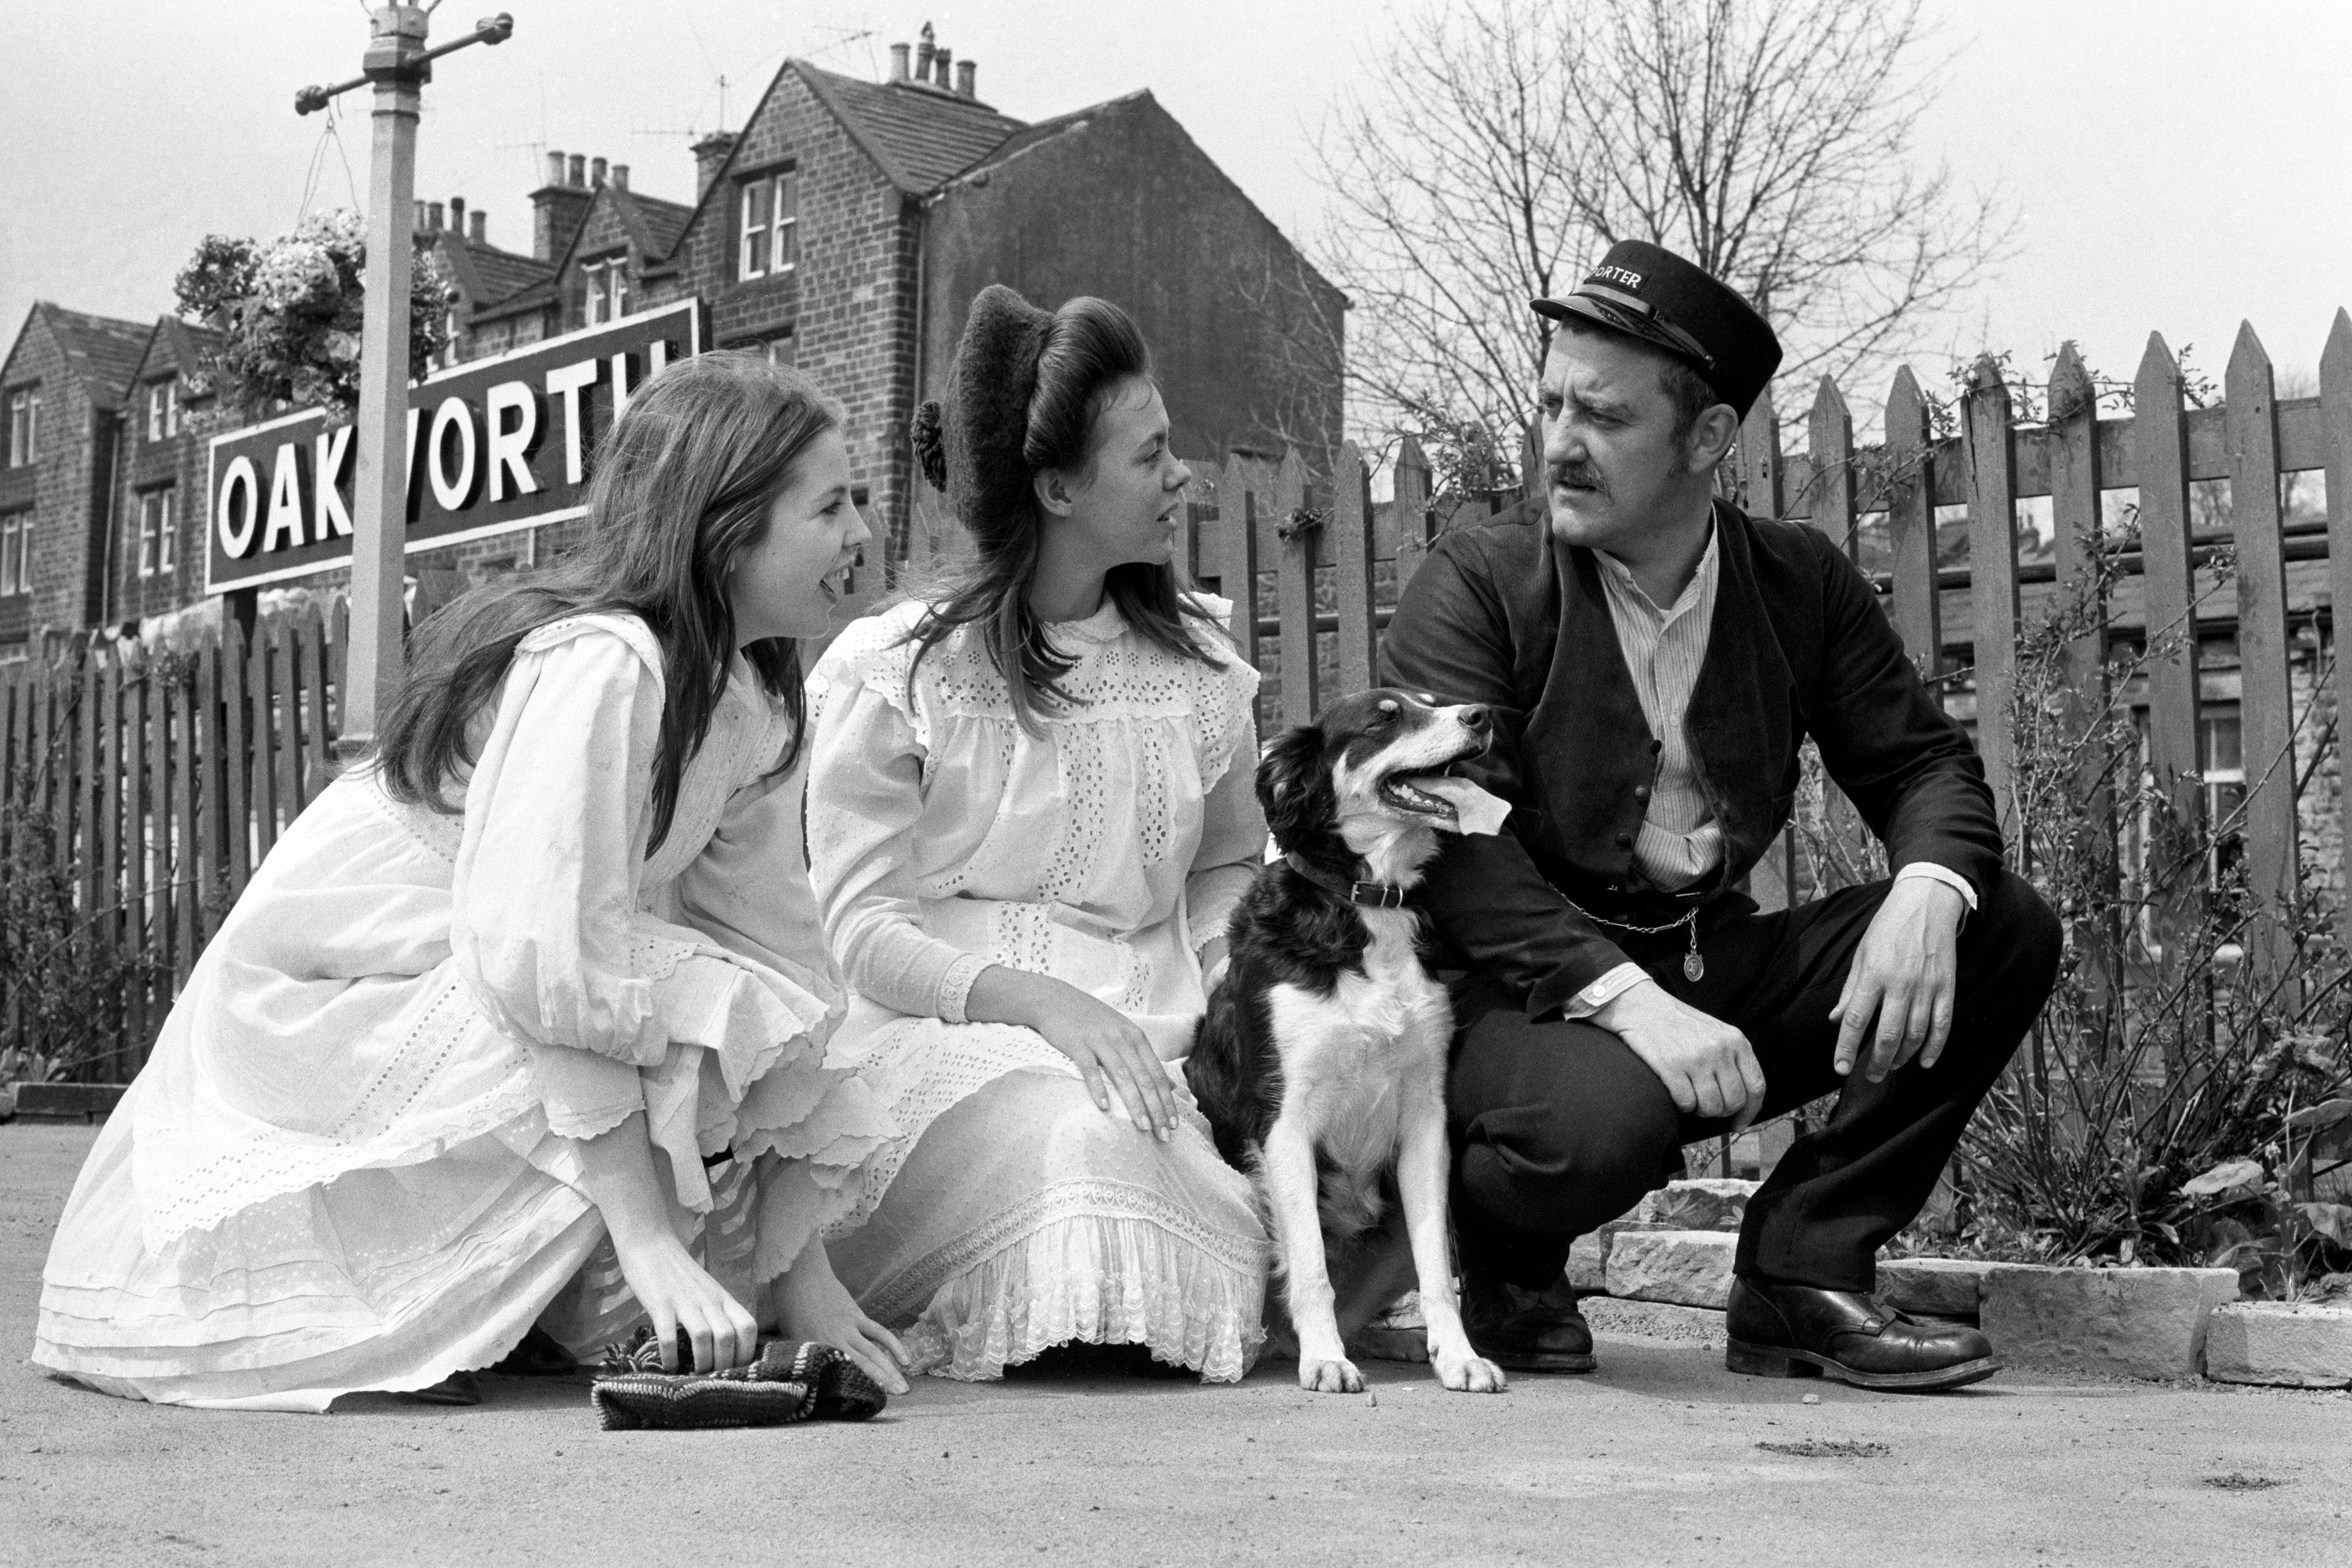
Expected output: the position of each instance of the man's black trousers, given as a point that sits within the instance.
(1558, 1127)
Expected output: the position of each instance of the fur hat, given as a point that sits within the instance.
(974, 447)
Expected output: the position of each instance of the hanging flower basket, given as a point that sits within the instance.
(288, 313)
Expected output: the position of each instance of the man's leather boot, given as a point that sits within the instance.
(1522, 1330)
(1803, 1331)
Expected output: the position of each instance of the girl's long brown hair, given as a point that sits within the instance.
(682, 485)
(1092, 351)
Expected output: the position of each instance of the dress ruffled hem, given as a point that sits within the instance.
(1100, 1279)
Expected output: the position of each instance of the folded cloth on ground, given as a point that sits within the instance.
(789, 1381)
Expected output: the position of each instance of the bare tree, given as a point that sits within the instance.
(1510, 142)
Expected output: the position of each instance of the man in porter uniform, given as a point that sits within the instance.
(1653, 658)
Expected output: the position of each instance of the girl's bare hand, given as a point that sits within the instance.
(677, 1294)
(813, 1304)
(1109, 1050)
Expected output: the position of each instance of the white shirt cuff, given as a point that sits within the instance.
(955, 985)
(1944, 874)
(1604, 990)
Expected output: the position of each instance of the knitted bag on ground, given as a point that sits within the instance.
(789, 1381)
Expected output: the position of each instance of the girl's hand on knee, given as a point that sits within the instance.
(1110, 1052)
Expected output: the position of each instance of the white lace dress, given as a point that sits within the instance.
(1103, 851)
(340, 1168)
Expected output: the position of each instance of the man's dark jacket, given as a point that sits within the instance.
(1503, 614)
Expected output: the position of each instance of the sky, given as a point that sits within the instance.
(2176, 167)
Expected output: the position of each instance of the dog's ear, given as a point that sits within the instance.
(1293, 785)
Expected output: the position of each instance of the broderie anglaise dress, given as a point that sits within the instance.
(1013, 1214)
(340, 1168)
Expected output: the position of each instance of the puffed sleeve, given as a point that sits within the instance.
(866, 795)
(1233, 823)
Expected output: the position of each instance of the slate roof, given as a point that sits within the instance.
(499, 272)
(655, 222)
(102, 349)
(920, 136)
(1029, 136)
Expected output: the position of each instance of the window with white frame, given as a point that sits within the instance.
(2221, 763)
(771, 223)
(16, 552)
(163, 409)
(24, 426)
(607, 284)
(157, 545)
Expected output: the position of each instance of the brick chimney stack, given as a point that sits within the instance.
(924, 50)
(458, 214)
(596, 173)
(481, 233)
(710, 157)
(433, 217)
(559, 206)
(898, 53)
(967, 79)
(620, 176)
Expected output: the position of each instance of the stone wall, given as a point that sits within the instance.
(65, 488)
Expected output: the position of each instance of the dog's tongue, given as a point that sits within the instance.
(1475, 810)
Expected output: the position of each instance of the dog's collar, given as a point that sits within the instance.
(1372, 894)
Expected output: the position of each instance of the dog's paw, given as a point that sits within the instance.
(1338, 1377)
(1468, 1374)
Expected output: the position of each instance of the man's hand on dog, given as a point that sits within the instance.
(1705, 1064)
(1903, 976)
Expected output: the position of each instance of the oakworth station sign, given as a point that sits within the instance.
(494, 446)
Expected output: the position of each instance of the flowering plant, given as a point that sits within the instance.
(288, 312)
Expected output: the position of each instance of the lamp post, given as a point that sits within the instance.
(399, 65)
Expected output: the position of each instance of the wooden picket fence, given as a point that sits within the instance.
(1302, 566)
(164, 778)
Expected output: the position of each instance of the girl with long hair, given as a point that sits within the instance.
(1030, 810)
(523, 1021)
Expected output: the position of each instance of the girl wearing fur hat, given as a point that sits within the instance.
(1030, 813)
(524, 1020)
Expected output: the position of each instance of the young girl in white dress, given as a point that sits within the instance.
(524, 1020)
(1030, 811)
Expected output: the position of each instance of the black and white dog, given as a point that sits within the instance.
(1321, 1063)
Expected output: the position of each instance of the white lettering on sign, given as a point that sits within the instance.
(415, 469)
(239, 523)
(621, 387)
(285, 529)
(452, 415)
(1625, 275)
(330, 519)
(505, 453)
(567, 382)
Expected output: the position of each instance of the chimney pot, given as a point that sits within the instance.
(419, 225)
(898, 61)
(555, 168)
(481, 233)
(596, 173)
(924, 50)
(621, 175)
(457, 212)
(433, 217)
(579, 168)
(939, 75)
(967, 79)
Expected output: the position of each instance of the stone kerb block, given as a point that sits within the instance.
(2302, 1344)
(2139, 1323)
(1934, 1287)
(1686, 1267)
(1714, 1203)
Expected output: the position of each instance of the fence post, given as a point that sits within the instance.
(261, 726)
(1351, 554)
(236, 720)
(1760, 459)
(319, 768)
(155, 977)
(2336, 419)
(1295, 591)
(1237, 553)
(2077, 532)
(134, 832)
(1412, 508)
(1992, 577)
(2175, 862)
(2266, 698)
(1917, 598)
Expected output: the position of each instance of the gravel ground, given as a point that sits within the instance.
(1660, 1457)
